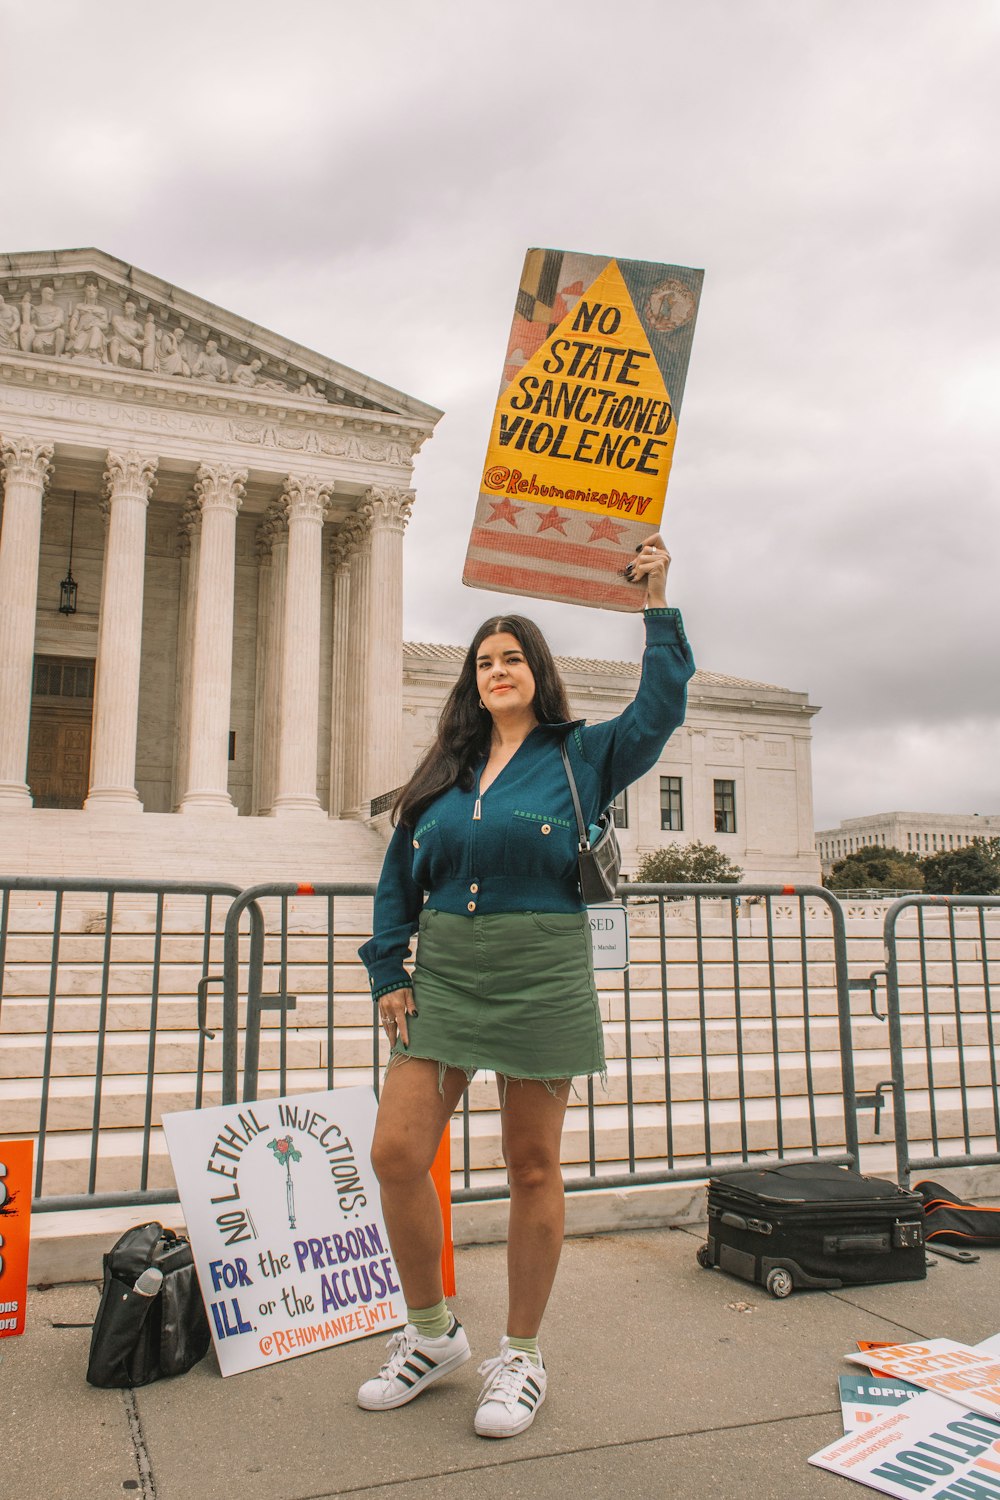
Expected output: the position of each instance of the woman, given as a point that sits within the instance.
(504, 974)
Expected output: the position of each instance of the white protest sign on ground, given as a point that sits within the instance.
(969, 1376)
(932, 1446)
(866, 1399)
(282, 1208)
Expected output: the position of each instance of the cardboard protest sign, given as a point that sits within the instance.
(282, 1208)
(15, 1233)
(971, 1376)
(584, 429)
(931, 1445)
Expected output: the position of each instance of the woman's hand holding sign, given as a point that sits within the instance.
(651, 564)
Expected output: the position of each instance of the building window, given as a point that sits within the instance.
(671, 804)
(619, 810)
(725, 807)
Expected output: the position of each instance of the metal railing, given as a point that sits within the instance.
(943, 996)
(699, 1051)
(108, 967)
(728, 1035)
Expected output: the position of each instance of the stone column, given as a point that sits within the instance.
(188, 548)
(26, 468)
(339, 550)
(274, 534)
(307, 499)
(220, 493)
(130, 478)
(375, 647)
(390, 511)
(356, 532)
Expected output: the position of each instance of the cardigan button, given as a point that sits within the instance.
(472, 906)
(415, 844)
(546, 828)
(474, 889)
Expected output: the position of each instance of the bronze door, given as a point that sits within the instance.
(61, 719)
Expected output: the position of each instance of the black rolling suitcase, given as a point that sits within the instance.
(812, 1224)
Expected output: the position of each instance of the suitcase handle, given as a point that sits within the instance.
(846, 1244)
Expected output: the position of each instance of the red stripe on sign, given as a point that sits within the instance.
(573, 554)
(549, 585)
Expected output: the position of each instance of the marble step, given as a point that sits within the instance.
(67, 1156)
(71, 1099)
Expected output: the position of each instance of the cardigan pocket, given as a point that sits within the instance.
(540, 844)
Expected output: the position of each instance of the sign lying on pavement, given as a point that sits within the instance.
(15, 1233)
(584, 429)
(933, 1446)
(971, 1376)
(282, 1209)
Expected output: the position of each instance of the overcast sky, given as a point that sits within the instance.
(365, 177)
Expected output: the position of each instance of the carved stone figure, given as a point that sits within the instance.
(88, 327)
(10, 322)
(169, 359)
(43, 328)
(249, 375)
(125, 346)
(211, 365)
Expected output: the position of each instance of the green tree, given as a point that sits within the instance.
(874, 868)
(973, 870)
(688, 864)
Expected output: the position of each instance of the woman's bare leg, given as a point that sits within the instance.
(532, 1120)
(412, 1116)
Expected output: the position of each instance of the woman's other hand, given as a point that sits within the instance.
(651, 563)
(393, 1010)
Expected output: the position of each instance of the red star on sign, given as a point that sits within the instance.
(552, 520)
(504, 511)
(604, 528)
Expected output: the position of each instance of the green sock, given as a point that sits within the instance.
(526, 1346)
(430, 1322)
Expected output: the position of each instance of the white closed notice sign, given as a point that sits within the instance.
(609, 934)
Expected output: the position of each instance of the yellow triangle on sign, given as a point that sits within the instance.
(587, 422)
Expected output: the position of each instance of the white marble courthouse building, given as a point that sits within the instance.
(201, 552)
(234, 505)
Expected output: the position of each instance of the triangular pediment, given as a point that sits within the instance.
(87, 310)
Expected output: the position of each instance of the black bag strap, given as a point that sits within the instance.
(581, 825)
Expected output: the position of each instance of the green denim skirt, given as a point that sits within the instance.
(511, 992)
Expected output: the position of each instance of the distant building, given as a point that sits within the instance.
(911, 832)
(737, 774)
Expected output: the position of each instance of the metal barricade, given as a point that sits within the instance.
(728, 1035)
(108, 1018)
(943, 997)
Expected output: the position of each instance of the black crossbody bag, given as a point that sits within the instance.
(600, 859)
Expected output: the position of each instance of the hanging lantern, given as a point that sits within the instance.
(68, 587)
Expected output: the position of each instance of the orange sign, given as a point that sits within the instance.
(584, 429)
(15, 1228)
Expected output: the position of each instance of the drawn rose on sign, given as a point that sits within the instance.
(285, 1153)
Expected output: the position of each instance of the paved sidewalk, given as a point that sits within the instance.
(695, 1385)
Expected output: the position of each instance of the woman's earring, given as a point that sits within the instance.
(481, 703)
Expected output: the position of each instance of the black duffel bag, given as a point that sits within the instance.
(156, 1330)
(953, 1221)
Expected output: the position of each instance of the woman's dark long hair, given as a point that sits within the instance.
(464, 729)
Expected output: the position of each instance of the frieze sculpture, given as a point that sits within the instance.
(210, 364)
(127, 343)
(127, 336)
(10, 322)
(88, 327)
(43, 328)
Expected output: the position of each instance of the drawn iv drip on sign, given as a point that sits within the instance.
(285, 1152)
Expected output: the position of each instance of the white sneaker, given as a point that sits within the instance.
(414, 1363)
(514, 1390)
